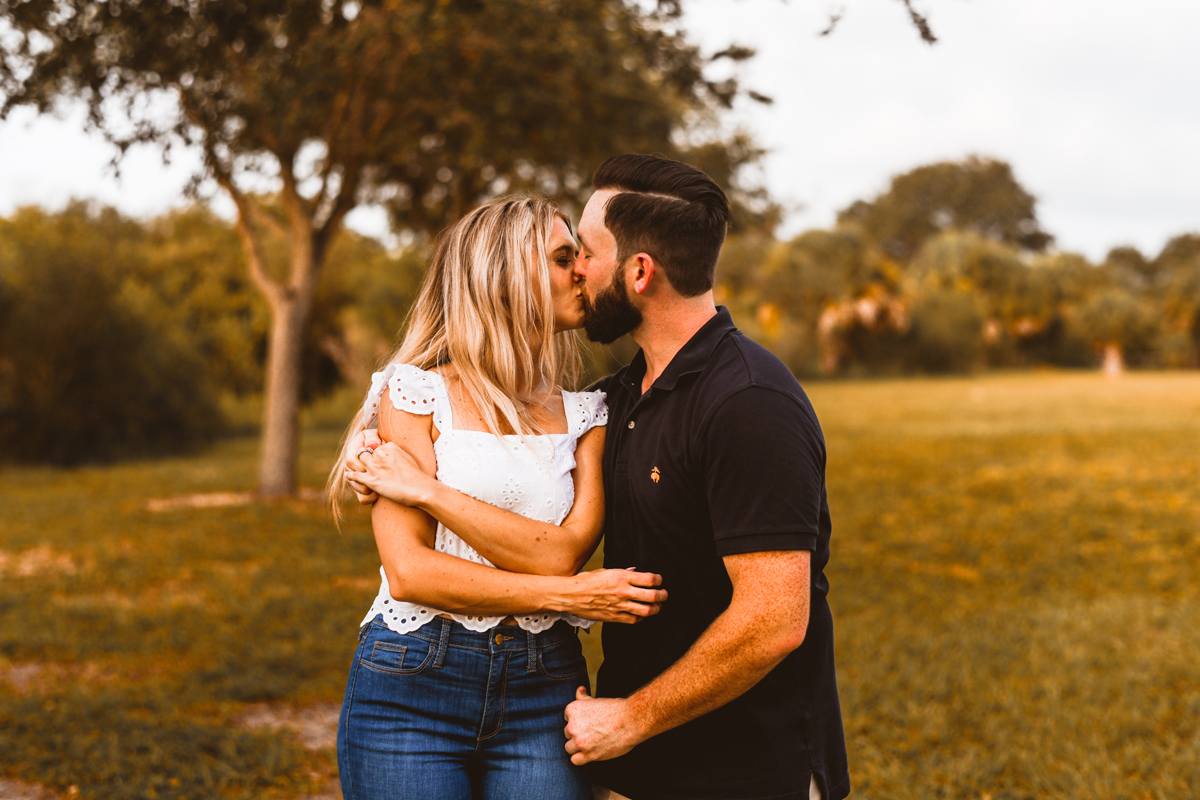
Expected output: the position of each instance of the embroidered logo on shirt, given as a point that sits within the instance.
(655, 474)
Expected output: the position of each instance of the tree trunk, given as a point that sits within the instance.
(827, 339)
(1114, 361)
(281, 406)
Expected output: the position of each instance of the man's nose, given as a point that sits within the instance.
(577, 270)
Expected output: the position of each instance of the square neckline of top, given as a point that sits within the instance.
(455, 429)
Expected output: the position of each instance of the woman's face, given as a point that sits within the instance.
(565, 292)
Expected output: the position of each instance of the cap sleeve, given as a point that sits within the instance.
(588, 410)
(408, 389)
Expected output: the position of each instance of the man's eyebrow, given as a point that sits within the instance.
(583, 241)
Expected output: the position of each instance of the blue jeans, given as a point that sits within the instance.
(444, 713)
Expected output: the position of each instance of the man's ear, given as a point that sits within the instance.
(644, 269)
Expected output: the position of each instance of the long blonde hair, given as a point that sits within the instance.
(486, 307)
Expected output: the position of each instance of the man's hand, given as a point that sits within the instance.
(352, 458)
(600, 728)
(392, 473)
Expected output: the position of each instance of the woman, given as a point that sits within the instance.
(462, 671)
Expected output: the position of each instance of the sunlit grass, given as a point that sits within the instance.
(1014, 573)
(1015, 570)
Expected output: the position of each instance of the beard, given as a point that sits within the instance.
(610, 315)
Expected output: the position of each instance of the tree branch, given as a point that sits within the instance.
(921, 22)
(274, 292)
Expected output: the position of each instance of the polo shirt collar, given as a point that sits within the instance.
(692, 357)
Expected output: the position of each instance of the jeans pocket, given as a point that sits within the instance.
(562, 660)
(406, 656)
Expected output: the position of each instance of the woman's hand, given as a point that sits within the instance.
(612, 595)
(357, 448)
(392, 473)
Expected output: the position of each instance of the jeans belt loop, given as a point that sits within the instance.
(529, 637)
(443, 644)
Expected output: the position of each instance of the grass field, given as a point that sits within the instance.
(1014, 586)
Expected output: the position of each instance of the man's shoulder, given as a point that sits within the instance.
(601, 384)
(609, 382)
(738, 364)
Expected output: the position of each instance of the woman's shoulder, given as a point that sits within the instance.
(585, 410)
(409, 388)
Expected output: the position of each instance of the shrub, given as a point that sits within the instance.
(946, 334)
(90, 367)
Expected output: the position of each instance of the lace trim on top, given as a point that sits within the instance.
(589, 410)
(534, 481)
(410, 389)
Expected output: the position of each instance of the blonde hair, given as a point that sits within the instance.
(486, 307)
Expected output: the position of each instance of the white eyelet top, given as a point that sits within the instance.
(530, 477)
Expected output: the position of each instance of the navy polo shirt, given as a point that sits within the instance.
(722, 455)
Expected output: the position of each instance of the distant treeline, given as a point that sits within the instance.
(118, 337)
(949, 271)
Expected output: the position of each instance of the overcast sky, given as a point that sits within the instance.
(1095, 103)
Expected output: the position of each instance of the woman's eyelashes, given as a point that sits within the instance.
(565, 257)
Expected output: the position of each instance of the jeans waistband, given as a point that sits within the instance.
(454, 634)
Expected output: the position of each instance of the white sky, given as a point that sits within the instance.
(1096, 103)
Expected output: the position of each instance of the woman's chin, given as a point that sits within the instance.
(573, 323)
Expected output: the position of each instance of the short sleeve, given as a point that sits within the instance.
(408, 388)
(585, 411)
(765, 472)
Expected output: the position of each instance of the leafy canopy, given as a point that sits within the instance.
(426, 105)
(977, 194)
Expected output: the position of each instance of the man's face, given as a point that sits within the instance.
(608, 312)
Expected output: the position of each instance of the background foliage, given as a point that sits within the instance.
(122, 337)
(425, 107)
(949, 270)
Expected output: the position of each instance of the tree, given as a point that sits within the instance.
(977, 194)
(193, 262)
(1127, 267)
(91, 367)
(1116, 321)
(1178, 268)
(427, 105)
(834, 287)
(947, 331)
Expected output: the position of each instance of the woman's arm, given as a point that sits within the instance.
(417, 573)
(510, 541)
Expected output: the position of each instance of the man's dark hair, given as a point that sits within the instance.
(669, 210)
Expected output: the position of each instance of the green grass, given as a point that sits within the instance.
(1015, 563)
(161, 624)
(1014, 586)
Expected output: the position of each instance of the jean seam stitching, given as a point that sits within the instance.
(555, 677)
(390, 671)
(346, 734)
(503, 701)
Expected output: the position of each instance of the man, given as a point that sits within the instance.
(714, 472)
(715, 478)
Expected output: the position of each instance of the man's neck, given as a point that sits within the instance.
(666, 328)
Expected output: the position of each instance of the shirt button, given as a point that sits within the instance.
(631, 423)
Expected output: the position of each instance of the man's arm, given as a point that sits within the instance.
(766, 619)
